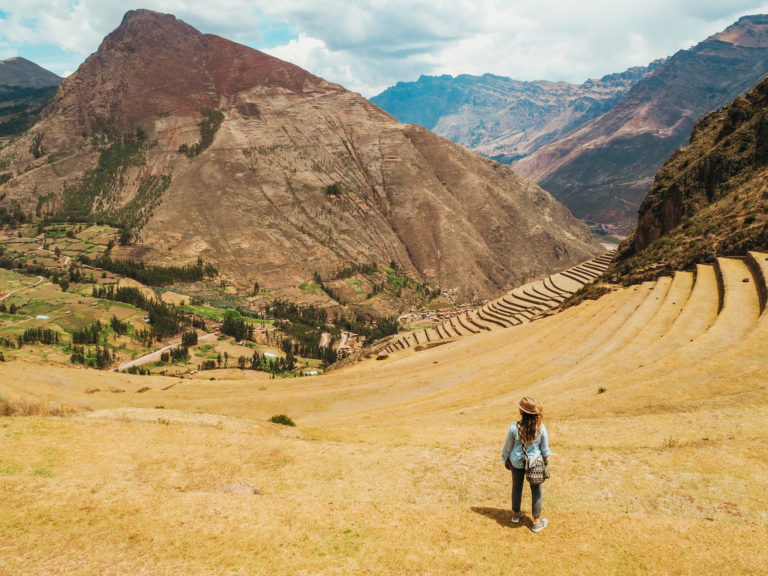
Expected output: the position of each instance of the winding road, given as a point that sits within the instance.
(155, 355)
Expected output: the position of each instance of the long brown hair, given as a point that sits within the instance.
(529, 427)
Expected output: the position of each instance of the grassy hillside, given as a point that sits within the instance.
(654, 396)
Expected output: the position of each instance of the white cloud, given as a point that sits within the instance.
(371, 44)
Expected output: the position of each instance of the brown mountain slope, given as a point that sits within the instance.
(709, 199)
(301, 175)
(602, 170)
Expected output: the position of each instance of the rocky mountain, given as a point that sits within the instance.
(25, 88)
(200, 147)
(709, 199)
(602, 170)
(502, 118)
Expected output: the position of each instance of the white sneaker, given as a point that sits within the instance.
(540, 525)
(516, 516)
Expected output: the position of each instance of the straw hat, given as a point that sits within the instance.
(529, 406)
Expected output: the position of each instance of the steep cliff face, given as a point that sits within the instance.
(709, 199)
(602, 170)
(273, 173)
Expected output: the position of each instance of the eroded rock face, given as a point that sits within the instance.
(708, 199)
(302, 176)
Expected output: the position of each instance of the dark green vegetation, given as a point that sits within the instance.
(153, 275)
(20, 107)
(13, 215)
(282, 419)
(294, 332)
(709, 199)
(356, 283)
(98, 196)
(209, 124)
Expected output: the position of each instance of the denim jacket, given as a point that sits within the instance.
(513, 449)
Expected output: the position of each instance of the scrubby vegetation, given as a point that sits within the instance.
(282, 419)
(153, 275)
(209, 125)
(97, 197)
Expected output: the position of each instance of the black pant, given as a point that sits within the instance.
(518, 478)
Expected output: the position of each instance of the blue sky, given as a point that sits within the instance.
(369, 45)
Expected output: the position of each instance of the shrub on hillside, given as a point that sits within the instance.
(282, 419)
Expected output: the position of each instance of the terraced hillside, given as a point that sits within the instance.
(522, 304)
(655, 399)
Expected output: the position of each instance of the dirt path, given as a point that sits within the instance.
(155, 356)
(39, 280)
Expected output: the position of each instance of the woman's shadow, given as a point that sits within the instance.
(500, 515)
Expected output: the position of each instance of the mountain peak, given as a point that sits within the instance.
(747, 31)
(154, 64)
(20, 72)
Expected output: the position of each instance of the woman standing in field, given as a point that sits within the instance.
(529, 430)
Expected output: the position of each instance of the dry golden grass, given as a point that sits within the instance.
(394, 466)
(174, 298)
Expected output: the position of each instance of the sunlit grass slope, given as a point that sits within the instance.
(656, 398)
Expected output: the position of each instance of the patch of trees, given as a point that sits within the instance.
(13, 215)
(165, 320)
(177, 354)
(31, 336)
(189, 338)
(304, 325)
(333, 190)
(260, 362)
(38, 335)
(208, 126)
(119, 327)
(352, 269)
(153, 275)
(77, 203)
(371, 328)
(100, 357)
(12, 309)
(233, 325)
(88, 335)
(327, 289)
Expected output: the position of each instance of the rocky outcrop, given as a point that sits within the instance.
(297, 176)
(709, 199)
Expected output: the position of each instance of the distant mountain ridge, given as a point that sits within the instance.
(603, 170)
(201, 147)
(502, 118)
(25, 88)
(598, 148)
(21, 73)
